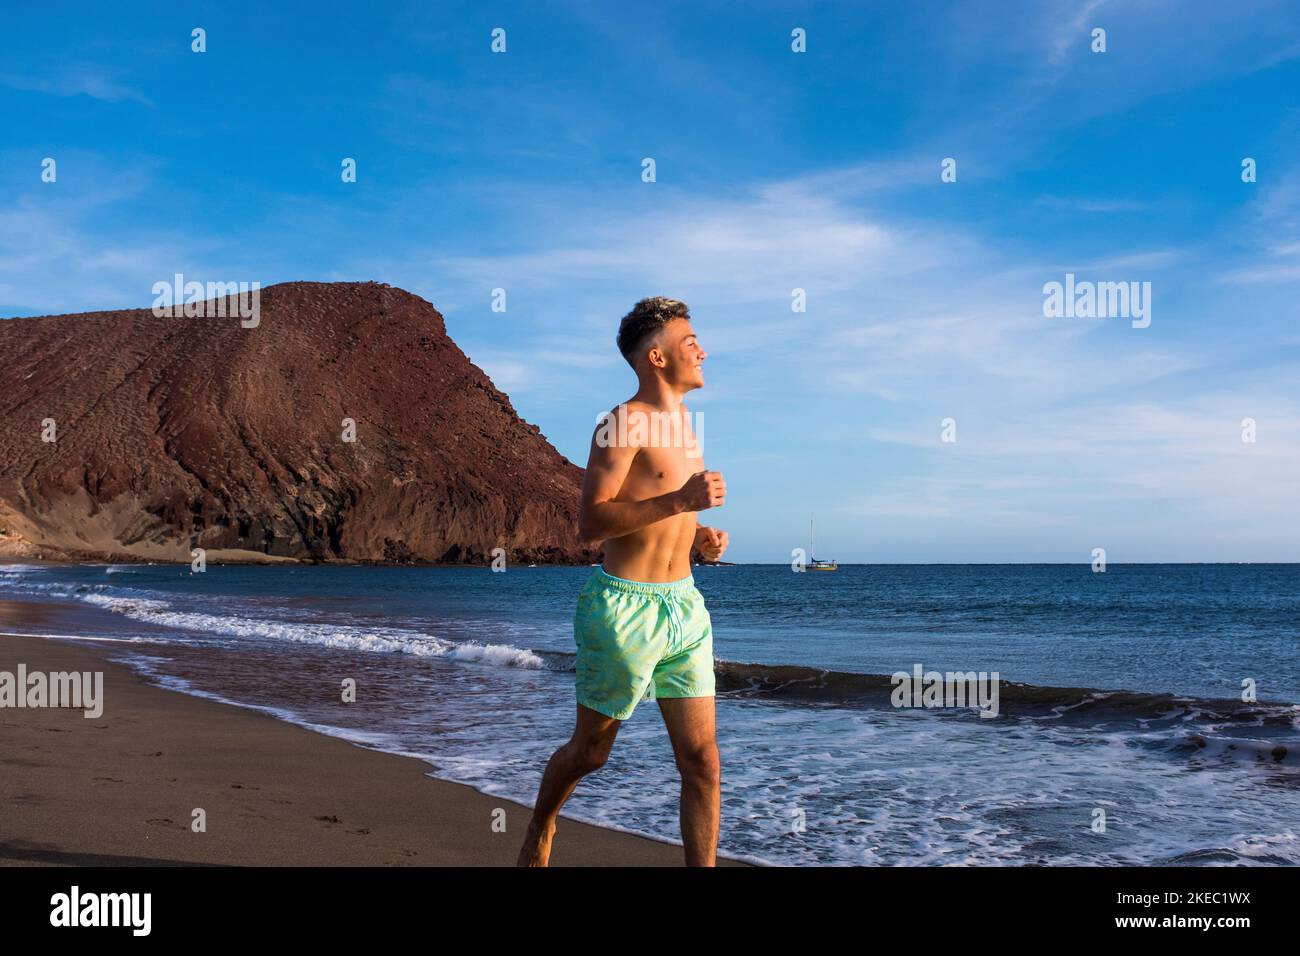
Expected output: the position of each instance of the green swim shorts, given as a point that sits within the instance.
(640, 641)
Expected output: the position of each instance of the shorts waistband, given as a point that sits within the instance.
(643, 587)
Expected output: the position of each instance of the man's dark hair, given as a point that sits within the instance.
(646, 319)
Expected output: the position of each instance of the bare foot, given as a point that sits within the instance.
(536, 850)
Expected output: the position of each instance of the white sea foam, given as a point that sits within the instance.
(371, 639)
(1280, 847)
(162, 613)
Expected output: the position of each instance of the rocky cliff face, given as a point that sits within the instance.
(173, 433)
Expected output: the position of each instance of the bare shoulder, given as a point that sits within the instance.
(628, 419)
(615, 428)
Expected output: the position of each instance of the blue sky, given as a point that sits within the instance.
(775, 171)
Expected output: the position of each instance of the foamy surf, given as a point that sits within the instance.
(378, 640)
(76, 637)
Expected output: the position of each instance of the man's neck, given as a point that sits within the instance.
(659, 394)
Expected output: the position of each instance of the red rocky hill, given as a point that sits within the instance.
(175, 433)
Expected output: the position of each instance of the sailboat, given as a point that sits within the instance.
(815, 563)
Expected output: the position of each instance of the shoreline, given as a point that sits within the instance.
(122, 789)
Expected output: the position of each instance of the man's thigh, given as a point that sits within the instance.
(690, 721)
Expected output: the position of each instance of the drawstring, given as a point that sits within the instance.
(674, 641)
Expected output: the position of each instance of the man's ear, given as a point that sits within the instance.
(657, 358)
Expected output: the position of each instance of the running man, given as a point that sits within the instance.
(641, 627)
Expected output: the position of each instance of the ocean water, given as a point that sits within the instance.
(1120, 696)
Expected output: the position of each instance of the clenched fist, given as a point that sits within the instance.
(704, 489)
(711, 543)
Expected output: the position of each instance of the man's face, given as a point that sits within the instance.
(682, 355)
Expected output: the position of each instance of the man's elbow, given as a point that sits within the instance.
(588, 529)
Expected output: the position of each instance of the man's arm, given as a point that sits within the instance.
(602, 518)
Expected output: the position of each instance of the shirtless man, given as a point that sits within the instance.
(641, 627)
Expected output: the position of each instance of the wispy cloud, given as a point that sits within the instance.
(1069, 27)
(95, 82)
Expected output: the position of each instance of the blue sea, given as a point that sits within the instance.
(1122, 736)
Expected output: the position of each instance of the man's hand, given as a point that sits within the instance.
(710, 542)
(704, 489)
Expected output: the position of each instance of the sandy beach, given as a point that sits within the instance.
(121, 789)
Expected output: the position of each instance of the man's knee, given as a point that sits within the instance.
(700, 763)
(589, 756)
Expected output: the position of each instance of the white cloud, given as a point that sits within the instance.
(89, 81)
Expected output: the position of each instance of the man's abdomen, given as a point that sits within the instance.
(655, 554)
